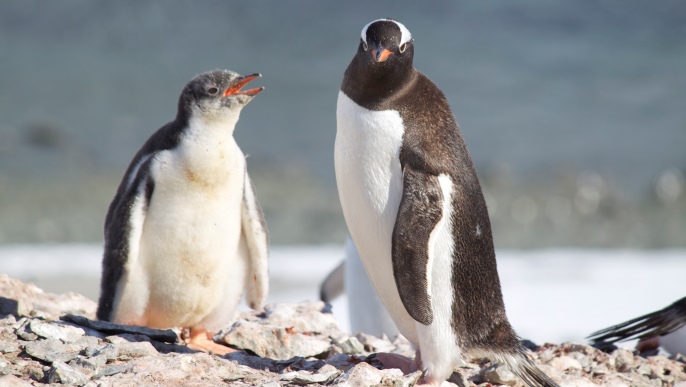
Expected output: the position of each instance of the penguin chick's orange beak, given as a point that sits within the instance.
(235, 89)
(381, 54)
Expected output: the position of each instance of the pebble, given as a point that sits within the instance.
(304, 342)
(499, 374)
(362, 374)
(62, 373)
(127, 350)
(624, 360)
(564, 363)
(274, 342)
(51, 350)
(63, 332)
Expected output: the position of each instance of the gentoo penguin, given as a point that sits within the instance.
(184, 234)
(365, 310)
(415, 210)
(663, 327)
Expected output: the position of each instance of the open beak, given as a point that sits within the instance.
(381, 54)
(235, 89)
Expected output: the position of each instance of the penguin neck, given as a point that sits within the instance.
(209, 140)
(375, 85)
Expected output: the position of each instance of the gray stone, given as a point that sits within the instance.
(274, 342)
(624, 360)
(13, 381)
(89, 366)
(109, 351)
(134, 350)
(56, 330)
(302, 317)
(7, 347)
(51, 350)
(7, 319)
(498, 374)
(351, 345)
(62, 373)
(458, 378)
(304, 377)
(565, 362)
(126, 338)
(340, 361)
(361, 374)
(372, 343)
(412, 379)
(256, 362)
(87, 343)
(271, 384)
(112, 370)
(167, 335)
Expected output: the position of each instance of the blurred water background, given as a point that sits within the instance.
(574, 112)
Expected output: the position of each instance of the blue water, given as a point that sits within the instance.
(540, 89)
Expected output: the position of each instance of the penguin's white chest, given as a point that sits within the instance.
(369, 179)
(190, 238)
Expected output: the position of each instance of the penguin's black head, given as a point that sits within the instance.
(386, 45)
(216, 94)
(382, 64)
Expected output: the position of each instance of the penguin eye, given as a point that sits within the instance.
(403, 47)
(212, 90)
(365, 46)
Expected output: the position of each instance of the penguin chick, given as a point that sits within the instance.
(184, 235)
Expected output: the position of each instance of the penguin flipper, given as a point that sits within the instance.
(420, 210)
(333, 285)
(658, 323)
(123, 230)
(257, 238)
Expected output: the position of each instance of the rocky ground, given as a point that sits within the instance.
(54, 339)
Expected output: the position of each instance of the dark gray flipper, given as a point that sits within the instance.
(420, 210)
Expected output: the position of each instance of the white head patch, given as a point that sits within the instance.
(405, 33)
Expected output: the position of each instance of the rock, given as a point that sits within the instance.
(362, 374)
(350, 345)
(128, 350)
(457, 378)
(413, 378)
(374, 344)
(166, 335)
(63, 332)
(52, 350)
(88, 366)
(498, 374)
(305, 377)
(126, 338)
(47, 350)
(8, 347)
(256, 362)
(28, 300)
(13, 381)
(109, 352)
(303, 317)
(565, 362)
(624, 360)
(274, 342)
(62, 373)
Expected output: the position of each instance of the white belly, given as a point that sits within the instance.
(190, 238)
(369, 181)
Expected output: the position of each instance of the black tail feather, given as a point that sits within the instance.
(653, 324)
(522, 366)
